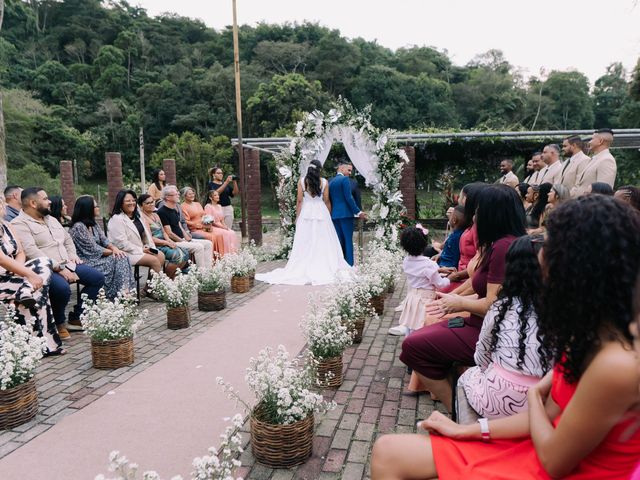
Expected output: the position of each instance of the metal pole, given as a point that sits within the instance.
(143, 186)
(236, 69)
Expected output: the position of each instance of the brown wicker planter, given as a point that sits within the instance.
(358, 328)
(109, 354)
(240, 284)
(377, 302)
(281, 446)
(178, 317)
(391, 288)
(212, 301)
(18, 405)
(252, 276)
(326, 365)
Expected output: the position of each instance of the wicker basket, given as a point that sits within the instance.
(281, 446)
(178, 317)
(109, 354)
(326, 365)
(377, 303)
(241, 284)
(252, 276)
(358, 328)
(212, 301)
(18, 405)
(391, 288)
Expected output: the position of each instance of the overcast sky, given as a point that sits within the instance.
(585, 35)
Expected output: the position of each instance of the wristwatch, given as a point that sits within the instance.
(484, 429)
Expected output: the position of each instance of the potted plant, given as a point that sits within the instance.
(242, 266)
(175, 294)
(220, 464)
(349, 302)
(20, 353)
(282, 420)
(111, 325)
(327, 337)
(212, 284)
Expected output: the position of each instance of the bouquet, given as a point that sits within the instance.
(111, 320)
(240, 264)
(207, 222)
(213, 279)
(176, 292)
(326, 334)
(20, 352)
(220, 464)
(282, 388)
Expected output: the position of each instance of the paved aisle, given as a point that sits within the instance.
(171, 412)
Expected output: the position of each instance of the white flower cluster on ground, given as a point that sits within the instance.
(20, 352)
(239, 264)
(327, 335)
(219, 464)
(176, 292)
(104, 319)
(214, 279)
(380, 268)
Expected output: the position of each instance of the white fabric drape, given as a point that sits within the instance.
(359, 148)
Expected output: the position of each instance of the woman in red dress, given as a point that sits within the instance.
(582, 420)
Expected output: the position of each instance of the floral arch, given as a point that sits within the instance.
(377, 158)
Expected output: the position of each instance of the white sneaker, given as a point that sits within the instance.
(399, 330)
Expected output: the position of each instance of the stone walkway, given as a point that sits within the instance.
(370, 401)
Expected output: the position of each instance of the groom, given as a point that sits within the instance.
(343, 208)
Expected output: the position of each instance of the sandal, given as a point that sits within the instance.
(57, 352)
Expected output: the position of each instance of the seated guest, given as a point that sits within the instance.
(43, 236)
(629, 194)
(175, 256)
(59, 210)
(582, 417)
(215, 211)
(507, 357)
(130, 234)
(530, 199)
(449, 257)
(432, 350)
(635, 331)
(193, 213)
(25, 285)
(535, 215)
(168, 213)
(558, 194)
(157, 184)
(600, 188)
(95, 249)
(13, 204)
(523, 190)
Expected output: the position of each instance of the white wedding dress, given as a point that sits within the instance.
(316, 256)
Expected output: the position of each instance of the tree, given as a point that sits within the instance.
(610, 94)
(282, 57)
(572, 106)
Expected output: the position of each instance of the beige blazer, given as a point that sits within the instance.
(551, 173)
(510, 179)
(601, 168)
(573, 168)
(46, 238)
(535, 177)
(124, 235)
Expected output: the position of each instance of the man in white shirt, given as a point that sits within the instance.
(552, 173)
(602, 166)
(508, 177)
(538, 166)
(576, 160)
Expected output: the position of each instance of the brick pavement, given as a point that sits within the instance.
(370, 402)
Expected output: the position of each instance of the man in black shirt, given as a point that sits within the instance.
(202, 249)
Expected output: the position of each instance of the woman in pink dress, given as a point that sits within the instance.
(214, 210)
(193, 213)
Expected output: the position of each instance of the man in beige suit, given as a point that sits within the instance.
(602, 166)
(575, 163)
(538, 166)
(552, 173)
(508, 177)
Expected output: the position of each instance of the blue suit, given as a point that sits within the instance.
(343, 212)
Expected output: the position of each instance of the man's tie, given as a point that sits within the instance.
(564, 169)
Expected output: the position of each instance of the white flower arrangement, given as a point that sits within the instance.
(207, 220)
(219, 464)
(309, 142)
(104, 319)
(239, 264)
(283, 389)
(214, 279)
(20, 352)
(385, 262)
(325, 332)
(176, 292)
(348, 301)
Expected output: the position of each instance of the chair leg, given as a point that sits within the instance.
(136, 277)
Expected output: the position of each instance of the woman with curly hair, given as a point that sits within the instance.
(580, 422)
(507, 353)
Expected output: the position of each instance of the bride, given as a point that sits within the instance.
(316, 256)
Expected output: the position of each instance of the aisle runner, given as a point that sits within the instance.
(172, 412)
